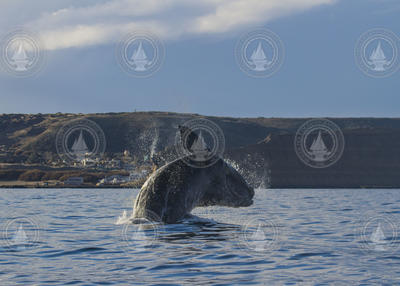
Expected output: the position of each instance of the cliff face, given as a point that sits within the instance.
(369, 159)
(261, 148)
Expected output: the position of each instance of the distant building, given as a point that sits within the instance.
(113, 180)
(88, 162)
(114, 163)
(118, 179)
(74, 181)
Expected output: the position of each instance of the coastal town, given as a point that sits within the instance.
(44, 170)
(104, 173)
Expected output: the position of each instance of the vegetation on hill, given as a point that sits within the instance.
(261, 148)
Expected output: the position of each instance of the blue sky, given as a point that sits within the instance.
(319, 77)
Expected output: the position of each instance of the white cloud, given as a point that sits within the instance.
(101, 22)
(229, 15)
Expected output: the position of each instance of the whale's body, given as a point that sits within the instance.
(174, 190)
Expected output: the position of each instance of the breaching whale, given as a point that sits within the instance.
(174, 190)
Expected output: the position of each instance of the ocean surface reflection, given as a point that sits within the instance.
(288, 237)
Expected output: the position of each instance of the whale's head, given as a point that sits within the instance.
(176, 188)
(227, 187)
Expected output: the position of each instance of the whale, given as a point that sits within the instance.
(174, 190)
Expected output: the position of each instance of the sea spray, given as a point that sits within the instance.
(256, 172)
(123, 219)
(154, 143)
(142, 142)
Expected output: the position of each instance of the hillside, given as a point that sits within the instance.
(261, 148)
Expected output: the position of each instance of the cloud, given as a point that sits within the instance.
(230, 15)
(106, 21)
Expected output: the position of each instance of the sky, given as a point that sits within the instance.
(318, 78)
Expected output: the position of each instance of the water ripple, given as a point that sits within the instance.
(314, 240)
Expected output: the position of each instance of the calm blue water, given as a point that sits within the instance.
(288, 237)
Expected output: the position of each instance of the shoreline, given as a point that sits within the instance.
(35, 186)
(261, 148)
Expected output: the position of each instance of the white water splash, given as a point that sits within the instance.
(233, 164)
(252, 173)
(265, 182)
(147, 141)
(154, 143)
(124, 219)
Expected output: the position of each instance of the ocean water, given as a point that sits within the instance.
(288, 237)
